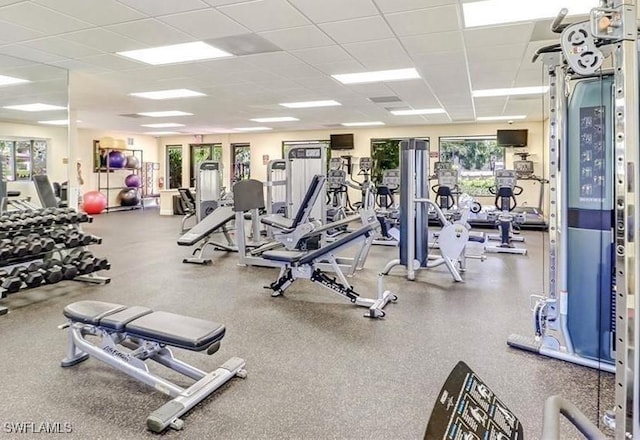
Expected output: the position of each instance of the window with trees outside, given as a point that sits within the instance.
(200, 153)
(174, 166)
(475, 158)
(23, 158)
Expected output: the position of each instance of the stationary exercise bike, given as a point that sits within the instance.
(505, 191)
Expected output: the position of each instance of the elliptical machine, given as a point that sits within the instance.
(337, 197)
(505, 191)
(446, 189)
(387, 211)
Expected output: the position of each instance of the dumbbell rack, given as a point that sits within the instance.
(45, 246)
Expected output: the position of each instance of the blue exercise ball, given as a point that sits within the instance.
(117, 159)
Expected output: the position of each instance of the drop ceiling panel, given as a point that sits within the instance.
(322, 55)
(36, 17)
(11, 33)
(62, 47)
(429, 43)
(304, 37)
(494, 80)
(425, 21)
(360, 29)
(205, 24)
(157, 8)
(335, 10)
(272, 59)
(100, 13)
(498, 35)
(347, 66)
(368, 90)
(265, 15)
(78, 66)
(104, 40)
(29, 53)
(151, 32)
(479, 70)
(388, 6)
(113, 62)
(530, 77)
(453, 60)
(387, 53)
(414, 91)
(525, 107)
(514, 53)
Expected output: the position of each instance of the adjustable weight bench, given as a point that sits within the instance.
(203, 231)
(131, 335)
(296, 264)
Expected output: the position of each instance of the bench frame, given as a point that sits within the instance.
(131, 361)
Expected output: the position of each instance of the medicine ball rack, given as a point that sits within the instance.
(111, 180)
(46, 246)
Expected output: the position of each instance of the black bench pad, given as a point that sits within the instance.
(278, 221)
(285, 256)
(162, 327)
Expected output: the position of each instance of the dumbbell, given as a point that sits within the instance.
(69, 271)
(31, 279)
(31, 242)
(68, 238)
(10, 283)
(83, 263)
(52, 274)
(17, 248)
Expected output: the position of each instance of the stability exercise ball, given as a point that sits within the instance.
(94, 202)
(117, 159)
(128, 197)
(133, 162)
(132, 181)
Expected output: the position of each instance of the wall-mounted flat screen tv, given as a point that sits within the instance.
(512, 138)
(341, 141)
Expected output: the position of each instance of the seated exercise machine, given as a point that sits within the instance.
(129, 336)
(188, 202)
(467, 409)
(505, 191)
(296, 264)
(211, 214)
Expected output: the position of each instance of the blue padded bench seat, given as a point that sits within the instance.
(301, 258)
(161, 327)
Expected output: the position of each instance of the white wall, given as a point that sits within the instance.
(271, 144)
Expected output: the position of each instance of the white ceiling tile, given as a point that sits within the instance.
(10, 32)
(103, 40)
(388, 6)
(205, 24)
(479, 69)
(151, 32)
(62, 47)
(425, 21)
(412, 90)
(322, 55)
(360, 29)
(429, 61)
(265, 15)
(346, 66)
(156, 8)
(335, 10)
(30, 54)
(225, 2)
(36, 17)
(113, 62)
(498, 35)
(493, 80)
(380, 54)
(100, 13)
(438, 42)
(272, 59)
(530, 77)
(514, 53)
(371, 90)
(79, 66)
(298, 38)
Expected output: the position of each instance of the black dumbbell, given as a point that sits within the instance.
(69, 239)
(84, 264)
(10, 283)
(52, 274)
(31, 279)
(68, 271)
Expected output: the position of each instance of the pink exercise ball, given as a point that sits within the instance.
(94, 202)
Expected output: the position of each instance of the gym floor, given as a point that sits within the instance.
(316, 368)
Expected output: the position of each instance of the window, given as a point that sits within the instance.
(23, 158)
(200, 153)
(475, 158)
(174, 166)
(241, 162)
(385, 154)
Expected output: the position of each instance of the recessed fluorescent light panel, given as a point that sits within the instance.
(165, 114)
(378, 76)
(168, 94)
(310, 104)
(163, 125)
(490, 12)
(9, 80)
(161, 133)
(361, 124)
(176, 53)
(38, 107)
(253, 128)
(537, 90)
(281, 119)
(56, 122)
(501, 118)
(424, 111)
